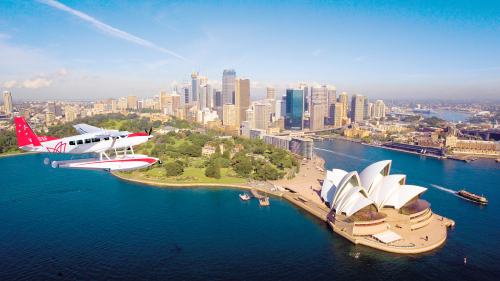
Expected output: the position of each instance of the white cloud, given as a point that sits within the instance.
(173, 84)
(108, 29)
(10, 84)
(35, 83)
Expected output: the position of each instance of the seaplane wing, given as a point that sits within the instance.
(84, 129)
(112, 133)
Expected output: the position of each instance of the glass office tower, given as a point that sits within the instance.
(294, 109)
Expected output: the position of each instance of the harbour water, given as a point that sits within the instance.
(450, 116)
(91, 225)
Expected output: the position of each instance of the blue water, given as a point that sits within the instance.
(91, 225)
(450, 116)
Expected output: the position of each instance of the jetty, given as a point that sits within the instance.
(255, 193)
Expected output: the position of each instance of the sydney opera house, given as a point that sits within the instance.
(375, 205)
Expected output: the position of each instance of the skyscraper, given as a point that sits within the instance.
(228, 80)
(218, 103)
(112, 103)
(194, 87)
(229, 114)
(336, 111)
(132, 102)
(294, 109)
(305, 89)
(357, 108)
(332, 98)
(260, 120)
(379, 109)
(271, 93)
(204, 96)
(7, 102)
(277, 109)
(176, 101)
(366, 109)
(241, 98)
(343, 99)
(249, 117)
(318, 107)
(122, 103)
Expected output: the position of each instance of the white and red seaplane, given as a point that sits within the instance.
(94, 141)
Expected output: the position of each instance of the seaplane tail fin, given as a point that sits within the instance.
(25, 135)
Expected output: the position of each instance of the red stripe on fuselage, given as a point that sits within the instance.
(137, 135)
(149, 160)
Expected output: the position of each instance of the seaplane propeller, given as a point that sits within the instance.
(150, 130)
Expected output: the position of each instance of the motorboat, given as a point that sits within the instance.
(472, 197)
(244, 197)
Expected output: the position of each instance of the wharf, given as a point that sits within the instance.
(255, 193)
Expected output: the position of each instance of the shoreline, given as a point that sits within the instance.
(307, 199)
(16, 154)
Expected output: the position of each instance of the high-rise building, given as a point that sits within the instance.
(379, 109)
(176, 101)
(270, 104)
(245, 129)
(112, 103)
(185, 94)
(319, 97)
(271, 93)
(332, 98)
(49, 117)
(69, 113)
(336, 111)
(204, 101)
(343, 99)
(357, 108)
(218, 103)
(7, 102)
(294, 109)
(277, 109)
(366, 109)
(370, 109)
(317, 119)
(249, 117)
(228, 80)
(122, 103)
(260, 119)
(305, 89)
(229, 114)
(54, 108)
(194, 87)
(241, 98)
(132, 102)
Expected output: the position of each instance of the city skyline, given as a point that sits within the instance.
(84, 50)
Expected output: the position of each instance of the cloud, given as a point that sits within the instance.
(43, 80)
(316, 52)
(35, 83)
(110, 30)
(173, 84)
(10, 84)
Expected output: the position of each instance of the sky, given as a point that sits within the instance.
(90, 50)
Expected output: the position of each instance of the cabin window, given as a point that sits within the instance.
(106, 138)
(71, 142)
(96, 139)
(79, 142)
(87, 140)
(123, 136)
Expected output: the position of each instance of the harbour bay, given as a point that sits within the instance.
(91, 225)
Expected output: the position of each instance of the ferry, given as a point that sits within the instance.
(472, 197)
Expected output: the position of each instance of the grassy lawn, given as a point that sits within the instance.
(190, 175)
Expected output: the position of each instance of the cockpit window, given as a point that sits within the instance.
(106, 138)
(96, 139)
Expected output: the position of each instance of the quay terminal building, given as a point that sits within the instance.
(380, 210)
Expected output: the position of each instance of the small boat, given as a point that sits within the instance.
(472, 197)
(244, 197)
(264, 201)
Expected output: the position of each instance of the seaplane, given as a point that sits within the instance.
(108, 148)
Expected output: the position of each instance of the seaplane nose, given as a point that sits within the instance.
(150, 136)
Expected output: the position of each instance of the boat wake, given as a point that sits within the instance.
(341, 154)
(445, 189)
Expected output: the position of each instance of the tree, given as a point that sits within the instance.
(241, 165)
(226, 154)
(174, 169)
(213, 170)
(193, 150)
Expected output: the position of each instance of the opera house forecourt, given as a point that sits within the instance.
(380, 210)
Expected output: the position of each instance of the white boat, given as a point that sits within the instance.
(244, 197)
(111, 164)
